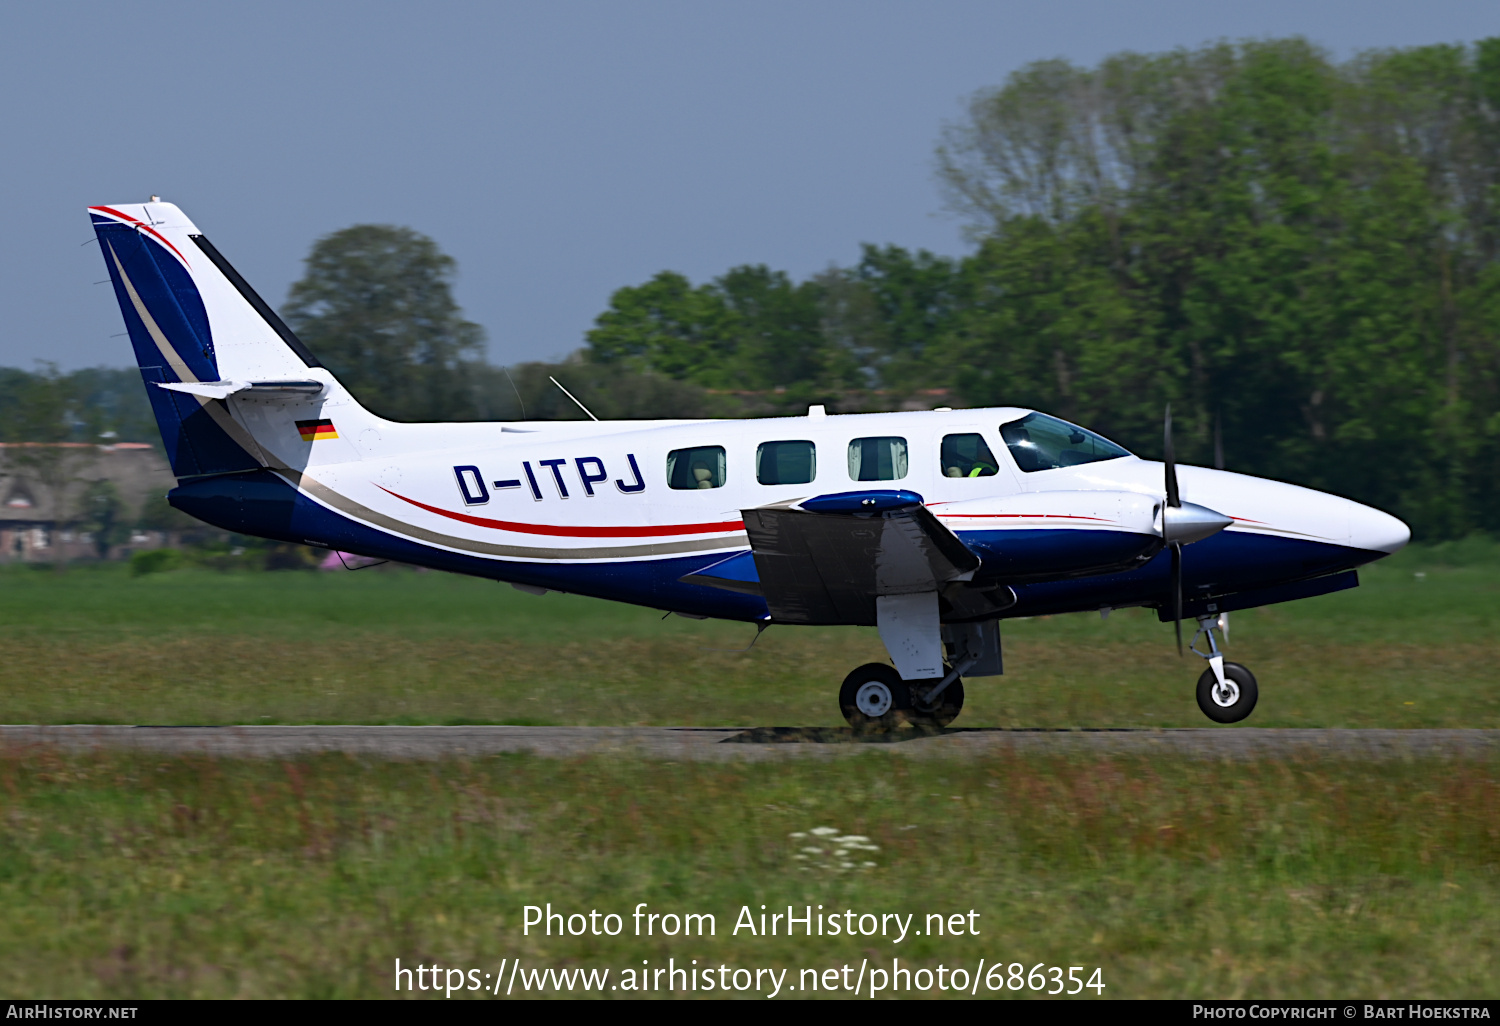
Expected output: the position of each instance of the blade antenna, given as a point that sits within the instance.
(573, 397)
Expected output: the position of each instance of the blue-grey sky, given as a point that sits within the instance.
(557, 150)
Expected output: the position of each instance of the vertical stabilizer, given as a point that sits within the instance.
(192, 319)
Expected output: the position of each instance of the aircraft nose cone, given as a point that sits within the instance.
(1374, 531)
(1191, 522)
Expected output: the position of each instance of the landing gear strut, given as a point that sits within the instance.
(1227, 692)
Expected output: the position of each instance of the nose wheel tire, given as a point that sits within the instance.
(874, 696)
(1234, 701)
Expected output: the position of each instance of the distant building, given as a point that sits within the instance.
(42, 487)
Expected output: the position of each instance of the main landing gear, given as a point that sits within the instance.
(1226, 691)
(875, 696)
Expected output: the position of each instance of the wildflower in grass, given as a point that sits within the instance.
(840, 853)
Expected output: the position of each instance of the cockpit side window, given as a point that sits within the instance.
(702, 467)
(967, 456)
(1040, 442)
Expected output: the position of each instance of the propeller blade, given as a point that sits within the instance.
(1177, 594)
(1174, 497)
(1218, 440)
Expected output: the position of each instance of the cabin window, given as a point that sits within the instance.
(967, 456)
(786, 463)
(702, 467)
(1040, 442)
(877, 459)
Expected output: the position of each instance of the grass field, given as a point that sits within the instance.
(131, 875)
(1416, 645)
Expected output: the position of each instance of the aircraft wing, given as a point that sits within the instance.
(824, 560)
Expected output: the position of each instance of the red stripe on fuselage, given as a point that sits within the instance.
(142, 224)
(576, 532)
(1020, 516)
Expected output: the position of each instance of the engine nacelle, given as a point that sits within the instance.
(1034, 536)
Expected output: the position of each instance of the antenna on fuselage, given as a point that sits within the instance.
(573, 397)
(1218, 439)
(513, 388)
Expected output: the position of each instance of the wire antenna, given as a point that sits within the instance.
(760, 628)
(516, 390)
(573, 397)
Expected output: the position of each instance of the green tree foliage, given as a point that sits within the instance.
(103, 516)
(750, 329)
(1306, 250)
(157, 514)
(526, 392)
(376, 306)
(1305, 246)
(52, 412)
(96, 404)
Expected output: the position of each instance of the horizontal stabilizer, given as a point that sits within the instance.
(258, 389)
(207, 389)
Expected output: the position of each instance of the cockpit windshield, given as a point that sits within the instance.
(1040, 442)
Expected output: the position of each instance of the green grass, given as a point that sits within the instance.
(1416, 646)
(126, 876)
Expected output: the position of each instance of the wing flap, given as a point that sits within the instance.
(828, 568)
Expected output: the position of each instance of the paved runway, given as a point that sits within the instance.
(722, 743)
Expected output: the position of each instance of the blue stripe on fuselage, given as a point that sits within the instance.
(262, 503)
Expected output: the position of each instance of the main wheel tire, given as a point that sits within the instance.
(949, 704)
(1234, 706)
(874, 696)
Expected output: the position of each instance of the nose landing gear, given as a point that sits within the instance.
(1227, 691)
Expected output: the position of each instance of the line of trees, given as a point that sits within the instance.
(1303, 250)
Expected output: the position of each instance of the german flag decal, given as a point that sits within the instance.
(316, 430)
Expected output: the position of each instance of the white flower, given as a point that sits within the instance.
(824, 831)
(868, 865)
(813, 851)
(851, 839)
(799, 833)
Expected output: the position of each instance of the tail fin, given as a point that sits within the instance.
(191, 319)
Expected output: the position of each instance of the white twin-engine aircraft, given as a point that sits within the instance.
(931, 526)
